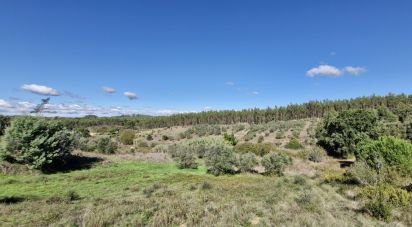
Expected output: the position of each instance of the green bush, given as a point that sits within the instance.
(275, 163)
(339, 134)
(185, 157)
(106, 145)
(4, 123)
(247, 162)
(36, 142)
(379, 209)
(260, 139)
(220, 159)
(84, 132)
(127, 136)
(293, 144)
(149, 137)
(392, 195)
(387, 150)
(260, 149)
(230, 138)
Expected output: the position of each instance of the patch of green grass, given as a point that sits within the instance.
(108, 179)
(133, 193)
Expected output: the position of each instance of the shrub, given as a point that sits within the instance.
(379, 209)
(293, 144)
(149, 137)
(206, 186)
(316, 154)
(84, 132)
(71, 196)
(220, 159)
(127, 136)
(339, 134)
(275, 163)
(247, 162)
(164, 137)
(361, 173)
(185, 158)
(299, 180)
(36, 142)
(230, 138)
(4, 123)
(260, 139)
(394, 196)
(387, 150)
(333, 176)
(106, 145)
(258, 149)
(160, 148)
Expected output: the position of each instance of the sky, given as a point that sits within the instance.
(163, 57)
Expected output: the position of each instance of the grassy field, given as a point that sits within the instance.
(137, 193)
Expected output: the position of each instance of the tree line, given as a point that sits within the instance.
(401, 105)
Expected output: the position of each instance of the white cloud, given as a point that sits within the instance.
(40, 89)
(324, 70)
(230, 83)
(4, 104)
(355, 70)
(130, 95)
(332, 54)
(80, 109)
(108, 90)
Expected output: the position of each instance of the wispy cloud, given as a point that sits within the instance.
(355, 70)
(230, 83)
(130, 95)
(108, 90)
(40, 89)
(74, 96)
(4, 104)
(324, 70)
(254, 93)
(80, 109)
(332, 53)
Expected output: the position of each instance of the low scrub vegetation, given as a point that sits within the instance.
(275, 163)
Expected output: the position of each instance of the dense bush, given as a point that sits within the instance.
(293, 144)
(4, 123)
(230, 138)
(36, 142)
(388, 193)
(339, 134)
(106, 145)
(84, 132)
(275, 163)
(247, 162)
(379, 209)
(149, 137)
(185, 157)
(260, 139)
(220, 159)
(388, 151)
(127, 136)
(260, 149)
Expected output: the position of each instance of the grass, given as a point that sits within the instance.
(139, 193)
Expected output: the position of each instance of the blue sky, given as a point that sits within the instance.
(179, 56)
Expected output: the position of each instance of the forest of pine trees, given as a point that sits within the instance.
(401, 105)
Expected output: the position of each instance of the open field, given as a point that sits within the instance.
(138, 193)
